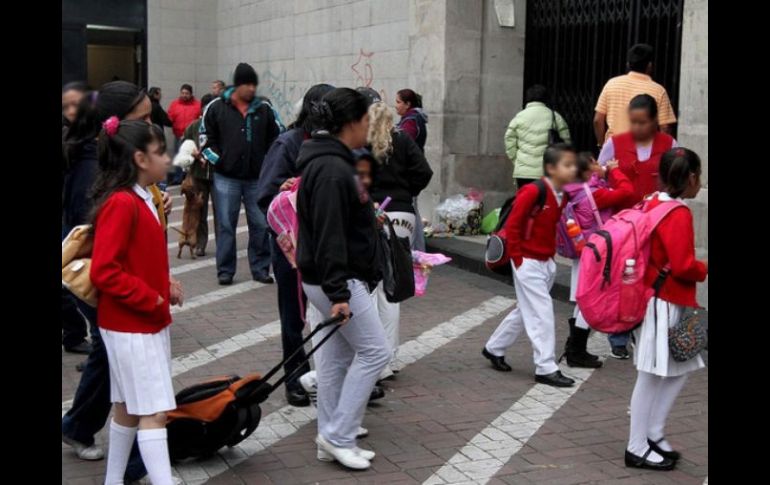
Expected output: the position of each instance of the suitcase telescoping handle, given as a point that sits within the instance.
(326, 323)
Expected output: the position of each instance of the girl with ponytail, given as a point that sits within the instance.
(337, 258)
(130, 269)
(660, 378)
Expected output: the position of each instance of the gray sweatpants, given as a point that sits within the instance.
(348, 364)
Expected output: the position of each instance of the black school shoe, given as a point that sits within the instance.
(620, 353)
(267, 280)
(555, 379)
(634, 461)
(297, 397)
(225, 280)
(673, 455)
(498, 363)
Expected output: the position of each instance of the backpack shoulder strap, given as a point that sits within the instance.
(541, 193)
(592, 202)
(659, 212)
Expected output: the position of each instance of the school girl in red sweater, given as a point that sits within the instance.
(130, 269)
(661, 378)
(531, 243)
(611, 191)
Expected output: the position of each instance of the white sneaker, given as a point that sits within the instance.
(309, 383)
(362, 432)
(326, 456)
(90, 453)
(385, 373)
(348, 457)
(145, 480)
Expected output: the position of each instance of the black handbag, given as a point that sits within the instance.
(396, 261)
(553, 132)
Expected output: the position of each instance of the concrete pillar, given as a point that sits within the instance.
(693, 113)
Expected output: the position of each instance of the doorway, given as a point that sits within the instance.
(114, 53)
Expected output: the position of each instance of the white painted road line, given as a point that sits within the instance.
(209, 219)
(287, 420)
(239, 230)
(488, 451)
(216, 295)
(204, 263)
(220, 349)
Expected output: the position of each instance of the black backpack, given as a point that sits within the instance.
(496, 257)
(225, 411)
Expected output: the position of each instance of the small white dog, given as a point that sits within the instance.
(185, 158)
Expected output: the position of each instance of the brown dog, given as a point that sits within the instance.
(191, 217)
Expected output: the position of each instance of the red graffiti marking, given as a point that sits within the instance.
(364, 73)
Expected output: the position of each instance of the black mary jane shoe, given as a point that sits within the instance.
(498, 363)
(674, 455)
(297, 397)
(634, 461)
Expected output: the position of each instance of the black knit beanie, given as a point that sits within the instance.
(244, 74)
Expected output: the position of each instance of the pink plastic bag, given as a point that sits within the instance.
(422, 264)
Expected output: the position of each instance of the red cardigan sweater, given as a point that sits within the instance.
(541, 244)
(673, 242)
(129, 266)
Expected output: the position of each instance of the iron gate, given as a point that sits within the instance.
(574, 46)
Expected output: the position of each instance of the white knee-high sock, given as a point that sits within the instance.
(669, 389)
(121, 441)
(153, 446)
(642, 400)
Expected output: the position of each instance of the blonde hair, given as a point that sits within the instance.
(380, 130)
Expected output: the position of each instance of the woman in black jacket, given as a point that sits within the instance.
(279, 169)
(337, 257)
(402, 173)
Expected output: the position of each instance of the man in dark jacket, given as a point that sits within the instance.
(235, 134)
(158, 115)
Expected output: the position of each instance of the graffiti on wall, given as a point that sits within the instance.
(362, 69)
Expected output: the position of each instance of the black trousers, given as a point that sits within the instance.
(73, 325)
(291, 319)
(522, 182)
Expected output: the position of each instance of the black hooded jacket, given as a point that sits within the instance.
(337, 227)
(402, 176)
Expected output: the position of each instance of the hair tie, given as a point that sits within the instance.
(679, 152)
(110, 125)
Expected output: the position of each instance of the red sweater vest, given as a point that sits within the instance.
(129, 266)
(644, 174)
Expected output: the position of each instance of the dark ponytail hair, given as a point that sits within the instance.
(336, 109)
(675, 168)
(409, 96)
(313, 95)
(117, 98)
(645, 102)
(584, 160)
(117, 169)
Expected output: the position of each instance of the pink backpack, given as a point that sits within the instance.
(581, 207)
(282, 219)
(600, 281)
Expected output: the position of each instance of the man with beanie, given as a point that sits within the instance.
(236, 132)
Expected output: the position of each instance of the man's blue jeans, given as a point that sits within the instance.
(228, 195)
(619, 339)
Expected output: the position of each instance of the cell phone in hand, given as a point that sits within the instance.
(383, 206)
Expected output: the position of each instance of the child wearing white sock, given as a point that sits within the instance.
(660, 377)
(129, 268)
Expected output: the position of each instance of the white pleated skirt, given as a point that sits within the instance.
(140, 370)
(651, 353)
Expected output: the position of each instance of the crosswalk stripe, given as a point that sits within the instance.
(208, 219)
(239, 230)
(220, 349)
(489, 450)
(287, 420)
(203, 263)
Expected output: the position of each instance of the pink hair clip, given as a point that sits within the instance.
(679, 152)
(110, 125)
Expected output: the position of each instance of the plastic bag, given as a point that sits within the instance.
(461, 213)
(489, 222)
(423, 263)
